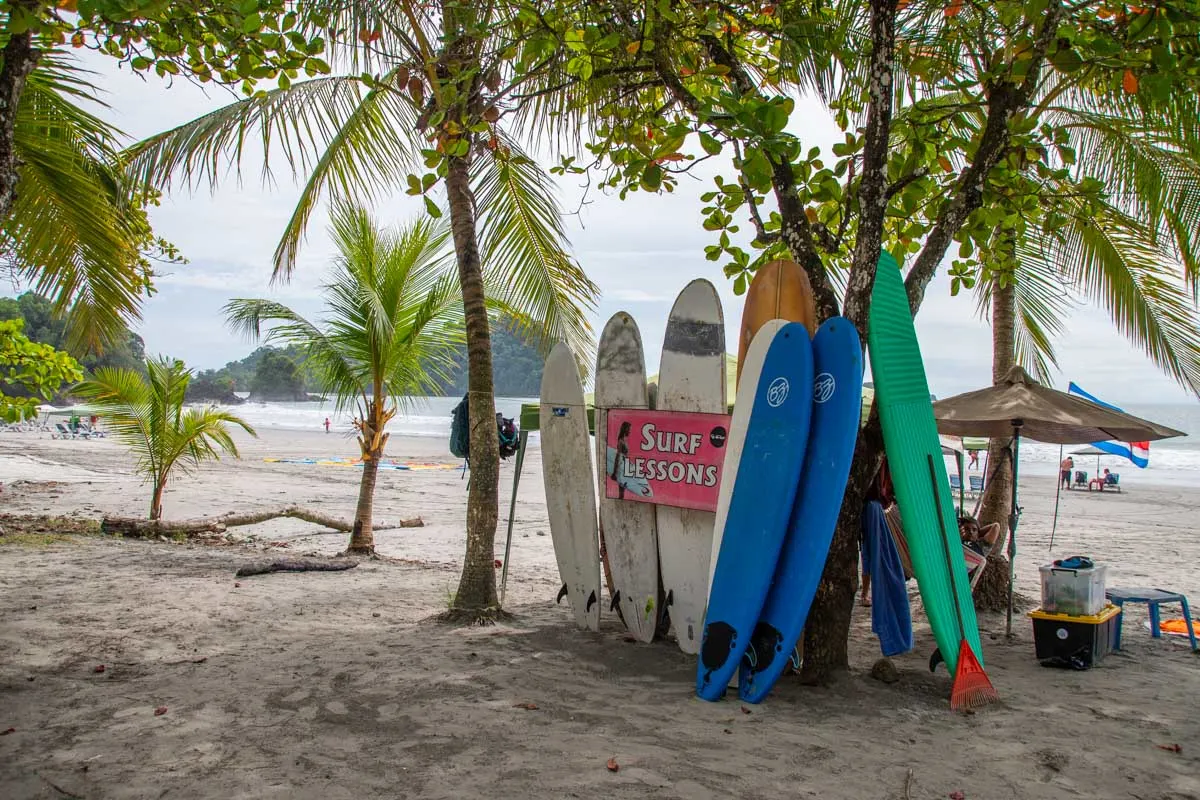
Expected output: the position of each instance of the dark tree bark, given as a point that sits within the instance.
(825, 636)
(20, 57)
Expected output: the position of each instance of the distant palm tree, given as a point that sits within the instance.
(392, 326)
(146, 413)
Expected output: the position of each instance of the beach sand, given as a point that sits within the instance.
(331, 685)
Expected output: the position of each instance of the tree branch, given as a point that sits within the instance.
(1005, 99)
(141, 528)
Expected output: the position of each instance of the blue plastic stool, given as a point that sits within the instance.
(1152, 598)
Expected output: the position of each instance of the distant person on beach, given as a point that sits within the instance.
(1064, 471)
(327, 424)
(974, 459)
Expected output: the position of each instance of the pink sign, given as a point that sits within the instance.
(669, 458)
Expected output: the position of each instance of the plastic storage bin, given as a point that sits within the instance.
(1074, 642)
(1075, 592)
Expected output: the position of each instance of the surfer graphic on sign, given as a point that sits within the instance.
(618, 459)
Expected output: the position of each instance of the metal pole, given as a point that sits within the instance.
(523, 439)
(1057, 494)
(1013, 517)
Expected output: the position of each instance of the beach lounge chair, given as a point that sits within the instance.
(1112, 481)
(975, 484)
(1081, 479)
(955, 482)
(63, 432)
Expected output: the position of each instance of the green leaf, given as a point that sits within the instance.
(432, 207)
(252, 23)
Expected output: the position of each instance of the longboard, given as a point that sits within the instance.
(691, 378)
(570, 498)
(630, 541)
(910, 438)
(764, 454)
(779, 290)
(837, 395)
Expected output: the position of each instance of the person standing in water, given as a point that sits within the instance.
(327, 424)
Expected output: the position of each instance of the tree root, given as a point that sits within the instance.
(138, 528)
(294, 565)
(474, 616)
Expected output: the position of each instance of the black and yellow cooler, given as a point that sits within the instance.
(1074, 642)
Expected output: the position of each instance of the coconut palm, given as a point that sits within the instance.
(146, 413)
(392, 324)
(74, 233)
(430, 118)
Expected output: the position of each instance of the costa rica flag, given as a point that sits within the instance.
(1137, 452)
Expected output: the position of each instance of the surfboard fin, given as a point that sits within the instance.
(795, 658)
(670, 601)
(616, 600)
(751, 656)
(591, 601)
(935, 659)
(561, 594)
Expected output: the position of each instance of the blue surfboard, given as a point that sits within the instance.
(764, 455)
(837, 398)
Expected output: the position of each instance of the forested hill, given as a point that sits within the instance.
(516, 367)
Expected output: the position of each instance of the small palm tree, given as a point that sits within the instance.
(146, 413)
(393, 324)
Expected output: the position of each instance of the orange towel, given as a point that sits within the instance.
(1178, 627)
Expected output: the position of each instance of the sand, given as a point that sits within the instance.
(331, 685)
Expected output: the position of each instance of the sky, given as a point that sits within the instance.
(641, 252)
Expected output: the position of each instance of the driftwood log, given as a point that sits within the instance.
(141, 528)
(294, 565)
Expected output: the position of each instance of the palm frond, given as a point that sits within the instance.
(526, 261)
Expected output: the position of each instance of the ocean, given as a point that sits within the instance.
(1172, 462)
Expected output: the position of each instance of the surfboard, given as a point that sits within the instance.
(911, 440)
(837, 395)
(764, 454)
(570, 498)
(629, 530)
(691, 378)
(779, 290)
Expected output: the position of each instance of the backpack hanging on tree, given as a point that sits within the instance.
(509, 434)
(460, 431)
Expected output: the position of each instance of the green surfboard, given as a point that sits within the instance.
(910, 437)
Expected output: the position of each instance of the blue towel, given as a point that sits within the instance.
(891, 619)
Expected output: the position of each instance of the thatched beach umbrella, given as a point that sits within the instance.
(1020, 406)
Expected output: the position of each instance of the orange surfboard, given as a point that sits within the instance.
(779, 290)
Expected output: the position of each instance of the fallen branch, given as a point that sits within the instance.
(294, 565)
(139, 528)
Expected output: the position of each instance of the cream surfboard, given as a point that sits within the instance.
(629, 529)
(691, 378)
(570, 496)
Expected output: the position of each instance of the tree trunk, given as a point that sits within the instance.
(997, 496)
(156, 499)
(826, 633)
(362, 538)
(476, 595)
(20, 57)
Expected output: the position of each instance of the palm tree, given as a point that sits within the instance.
(392, 325)
(432, 116)
(75, 234)
(146, 413)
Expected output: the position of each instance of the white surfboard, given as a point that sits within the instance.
(629, 529)
(743, 405)
(691, 378)
(570, 496)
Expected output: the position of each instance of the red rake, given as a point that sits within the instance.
(971, 687)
